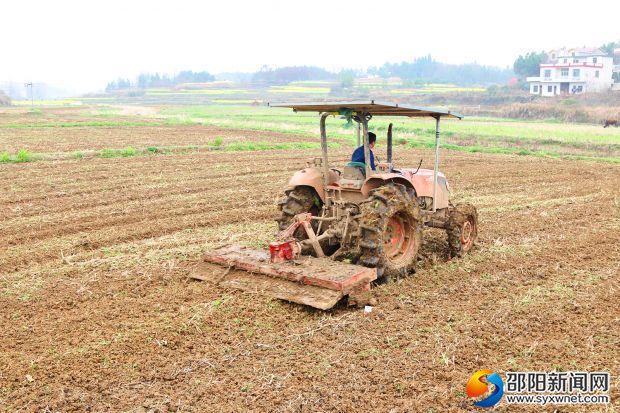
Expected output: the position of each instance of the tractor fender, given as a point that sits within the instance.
(378, 180)
(422, 181)
(311, 177)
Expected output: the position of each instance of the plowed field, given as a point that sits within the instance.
(97, 312)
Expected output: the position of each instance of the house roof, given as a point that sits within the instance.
(581, 51)
(372, 107)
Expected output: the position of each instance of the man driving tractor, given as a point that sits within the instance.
(358, 154)
(369, 224)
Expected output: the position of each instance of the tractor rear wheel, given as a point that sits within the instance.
(298, 201)
(462, 229)
(390, 231)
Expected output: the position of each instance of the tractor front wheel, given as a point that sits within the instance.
(390, 231)
(462, 229)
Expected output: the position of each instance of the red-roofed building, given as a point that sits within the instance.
(573, 71)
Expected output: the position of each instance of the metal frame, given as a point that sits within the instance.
(324, 151)
(437, 118)
(362, 120)
(375, 108)
(366, 146)
(389, 144)
(362, 116)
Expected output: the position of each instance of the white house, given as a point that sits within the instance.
(616, 69)
(573, 71)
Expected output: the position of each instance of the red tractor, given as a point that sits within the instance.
(341, 229)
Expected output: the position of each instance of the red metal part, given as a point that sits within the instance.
(283, 273)
(281, 251)
(320, 272)
(396, 237)
(467, 235)
(300, 220)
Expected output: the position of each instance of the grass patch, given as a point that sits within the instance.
(234, 101)
(23, 155)
(299, 89)
(267, 146)
(52, 102)
(513, 151)
(35, 112)
(77, 124)
(186, 92)
(107, 153)
(566, 140)
(118, 153)
(177, 121)
(247, 387)
(107, 111)
(128, 151)
(371, 352)
(218, 142)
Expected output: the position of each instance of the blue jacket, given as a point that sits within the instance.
(358, 156)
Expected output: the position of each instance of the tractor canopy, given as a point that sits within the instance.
(361, 112)
(372, 108)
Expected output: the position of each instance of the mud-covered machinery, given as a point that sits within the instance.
(342, 229)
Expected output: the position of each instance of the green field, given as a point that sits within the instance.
(571, 141)
(472, 134)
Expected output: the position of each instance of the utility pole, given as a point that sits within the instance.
(31, 94)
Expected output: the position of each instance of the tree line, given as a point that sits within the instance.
(285, 75)
(428, 70)
(423, 69)
(146, 80)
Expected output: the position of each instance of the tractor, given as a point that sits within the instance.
(341, 230)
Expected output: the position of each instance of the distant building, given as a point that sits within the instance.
(616, 69)
(573, 71)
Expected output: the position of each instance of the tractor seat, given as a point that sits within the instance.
(355, 170)
(353, 175)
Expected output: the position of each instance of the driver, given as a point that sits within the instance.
(358, 154)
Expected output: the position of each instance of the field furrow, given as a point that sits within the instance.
(97, 310)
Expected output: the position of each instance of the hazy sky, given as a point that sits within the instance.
(84, 44)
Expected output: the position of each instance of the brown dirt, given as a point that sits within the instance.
(151, 131)
(97, 312)
(86, 138)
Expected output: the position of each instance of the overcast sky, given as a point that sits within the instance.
(84, 44)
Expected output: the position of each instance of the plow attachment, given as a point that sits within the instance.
(317, 282)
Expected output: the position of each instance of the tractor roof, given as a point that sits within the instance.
(371, 107)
